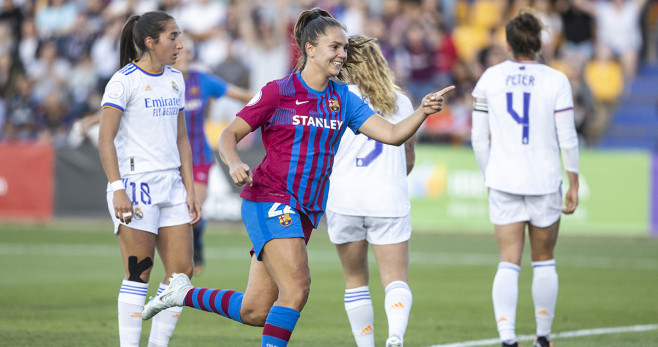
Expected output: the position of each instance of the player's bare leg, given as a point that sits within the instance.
(260, 295)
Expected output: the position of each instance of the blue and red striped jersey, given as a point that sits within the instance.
(301, 129)
(199, 88)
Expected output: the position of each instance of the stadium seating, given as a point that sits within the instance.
(635, 122)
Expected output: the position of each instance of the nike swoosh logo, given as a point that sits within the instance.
(300, 102)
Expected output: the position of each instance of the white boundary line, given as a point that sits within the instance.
(566, 334)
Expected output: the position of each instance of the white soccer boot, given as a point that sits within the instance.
(179, 285)
(394, 341)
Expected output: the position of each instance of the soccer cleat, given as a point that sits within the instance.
(542, 341)
(515, 344)
(179, 285)
(394, 341)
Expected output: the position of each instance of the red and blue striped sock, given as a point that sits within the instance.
(221, 301)
(279, 325)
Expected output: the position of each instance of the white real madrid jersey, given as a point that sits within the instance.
(150, 102)
(369, 178)
(522, 101)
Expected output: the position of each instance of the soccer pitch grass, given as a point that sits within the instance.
(60, 282)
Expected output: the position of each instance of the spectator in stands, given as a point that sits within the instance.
(49, 72)
(13, 17)
(105, 52)
(552, 31)
(54, 118)
(21, 121)
(416, 58)
(56, 19)
(10, 71)
(77, 44)
(264, 31)
(199, 19)
(29, 44)
(578, 37)
(605, 79)
(618, 29)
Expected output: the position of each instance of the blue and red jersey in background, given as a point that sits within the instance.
(199, 88)
(301, 129)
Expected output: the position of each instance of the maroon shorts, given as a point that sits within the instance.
(201, 173)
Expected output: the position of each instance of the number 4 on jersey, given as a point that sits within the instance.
(525, 119)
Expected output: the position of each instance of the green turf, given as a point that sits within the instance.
(60, 282)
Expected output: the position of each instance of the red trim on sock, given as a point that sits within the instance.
(188, 298)
(225, 301)
(278, 332)
(211, 301)
(199, 298)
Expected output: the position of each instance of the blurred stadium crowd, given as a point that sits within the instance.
(57, 55)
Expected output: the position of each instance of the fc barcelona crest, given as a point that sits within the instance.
(285, 220)
(333, 105)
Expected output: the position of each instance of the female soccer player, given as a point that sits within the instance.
(522, 117)
(200, 88)
(302, 118)
(368, 203)
(146, 156)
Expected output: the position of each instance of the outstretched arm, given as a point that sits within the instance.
(238, 93)
(384, 131)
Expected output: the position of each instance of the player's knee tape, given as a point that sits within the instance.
(137, 269)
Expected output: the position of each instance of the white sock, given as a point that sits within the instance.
(544, 294)
(505, 293)
(132, 296)
(164, 323)
(397, 302)
(361, 316)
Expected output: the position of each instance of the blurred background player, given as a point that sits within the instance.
(302, 118)
(369, 204)
(147, 158)
(527, 108)
(200, 89)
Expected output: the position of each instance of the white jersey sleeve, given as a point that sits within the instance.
(150, 103)
(522, 101)
(369, 178)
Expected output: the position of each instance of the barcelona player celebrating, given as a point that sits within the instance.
(302, 118)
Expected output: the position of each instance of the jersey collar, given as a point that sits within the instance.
(148, 72)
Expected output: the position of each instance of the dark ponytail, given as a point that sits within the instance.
(309, 26)
(135, 32)
(524, 34)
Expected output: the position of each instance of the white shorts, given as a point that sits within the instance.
(159, 200)
(540, 210)
(376, 230)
